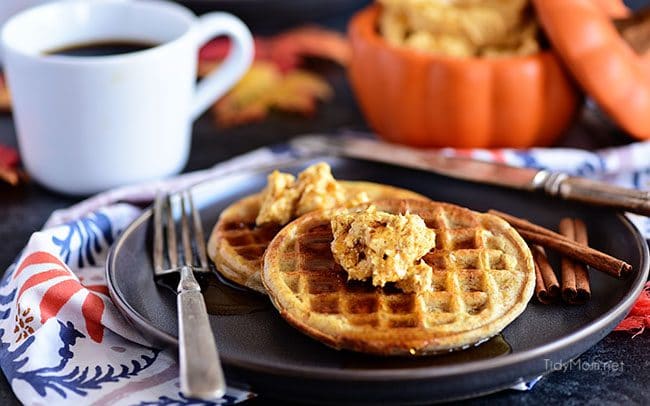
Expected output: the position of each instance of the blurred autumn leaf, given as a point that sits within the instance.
(274, 81)
(5, 100)
(9, 171)
(264, 88)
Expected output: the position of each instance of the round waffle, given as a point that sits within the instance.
(482, 275)
(237, 245)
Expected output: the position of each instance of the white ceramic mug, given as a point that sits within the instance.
(11, 7)
(89, 123)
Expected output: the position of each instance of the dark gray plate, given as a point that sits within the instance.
(261, 351)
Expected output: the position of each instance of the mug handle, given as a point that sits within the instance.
(236, 64)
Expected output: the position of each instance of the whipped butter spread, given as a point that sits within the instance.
(383, 247)
(285, 197)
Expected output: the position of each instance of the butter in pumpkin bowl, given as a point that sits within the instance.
(460, 73)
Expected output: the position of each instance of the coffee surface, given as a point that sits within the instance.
(101, 48)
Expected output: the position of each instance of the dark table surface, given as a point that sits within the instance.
(24, 209)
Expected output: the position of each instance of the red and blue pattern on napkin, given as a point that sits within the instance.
(61, 338)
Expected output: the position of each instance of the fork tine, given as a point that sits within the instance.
(171, 235)
(199, 238)
(191, 232)
(185, 232)
(158, 233)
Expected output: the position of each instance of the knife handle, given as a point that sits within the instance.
(598, 193)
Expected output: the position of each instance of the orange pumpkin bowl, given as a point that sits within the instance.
(427, 100)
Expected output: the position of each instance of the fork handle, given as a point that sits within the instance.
(201, 375)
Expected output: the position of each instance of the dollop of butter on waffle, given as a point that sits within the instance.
(384, 247)
(285, 198)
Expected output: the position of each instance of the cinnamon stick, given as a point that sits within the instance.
(575, 277)
(547, 288)
(566, 247)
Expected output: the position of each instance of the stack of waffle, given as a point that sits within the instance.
(482, 275)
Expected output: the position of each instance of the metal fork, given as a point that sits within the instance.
(201, 375)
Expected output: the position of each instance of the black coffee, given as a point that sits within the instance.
(101, 48)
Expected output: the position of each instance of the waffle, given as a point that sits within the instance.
(482, 279)
(237, 245)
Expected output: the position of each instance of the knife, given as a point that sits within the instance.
(551, 182)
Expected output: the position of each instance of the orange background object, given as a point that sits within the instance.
(428, 100)
(606, 67)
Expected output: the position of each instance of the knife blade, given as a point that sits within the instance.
(552, 183)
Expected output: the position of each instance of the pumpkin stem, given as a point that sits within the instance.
(635, 29)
